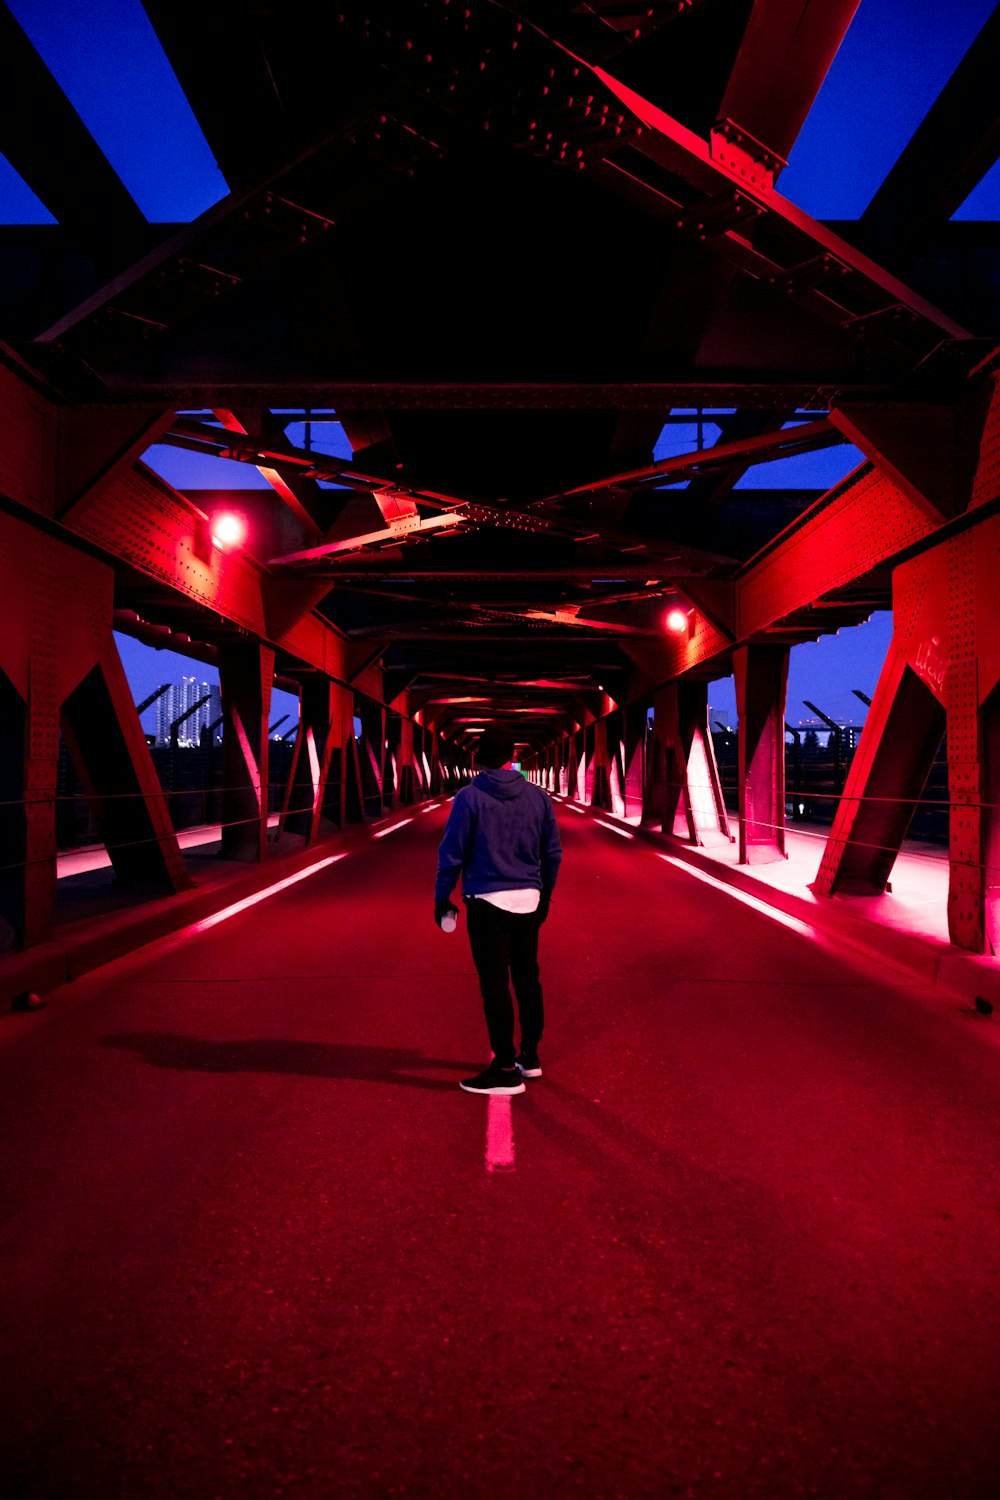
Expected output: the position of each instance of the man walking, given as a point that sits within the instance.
(501, 837)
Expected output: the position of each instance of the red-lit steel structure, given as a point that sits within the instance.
(503, 244)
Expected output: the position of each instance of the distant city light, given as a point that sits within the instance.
(676, 620)
(228, 529)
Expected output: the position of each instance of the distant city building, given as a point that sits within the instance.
(822, 734)
(177, 701)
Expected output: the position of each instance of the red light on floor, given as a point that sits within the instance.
(676, 620)
(228, 529)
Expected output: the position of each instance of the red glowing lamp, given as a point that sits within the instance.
(228, 529)
(676, 620)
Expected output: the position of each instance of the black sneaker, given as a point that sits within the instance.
(494, 1080)
(528, 1065)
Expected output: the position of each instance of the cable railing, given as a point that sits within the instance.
(927, 815)
(937, 857)
(345, 802)
(119, 844)
(294, 801)
(166, 839)
(986, 868)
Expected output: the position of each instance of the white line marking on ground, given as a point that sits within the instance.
(622, 832)
(794, 923)
(499, 1134)
(280, 885)
(386, 831)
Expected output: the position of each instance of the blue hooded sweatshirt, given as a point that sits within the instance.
(501, 835)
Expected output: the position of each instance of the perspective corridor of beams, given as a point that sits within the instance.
(503, 247)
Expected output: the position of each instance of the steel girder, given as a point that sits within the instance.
(941, 676)
(948, 154)
(761, 684)
(246, 677)
(682, 779)
(642, 162)
(59, 661)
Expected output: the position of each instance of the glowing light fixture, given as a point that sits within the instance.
(228, 529)
(676, 620)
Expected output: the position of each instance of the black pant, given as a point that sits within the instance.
(505, 944)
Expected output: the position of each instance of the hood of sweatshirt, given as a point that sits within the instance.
(503, 785)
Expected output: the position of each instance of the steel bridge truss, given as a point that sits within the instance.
(503, 254)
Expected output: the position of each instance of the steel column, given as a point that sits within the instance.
(372, 717)
(634, 757)
(681, 773)
(406, 776)
(111, 757)
(900, 739)
(393, 730)
(600, 794)
(615, 754)
(246, 677)
(761, 682)
(13, 815)
(352, 778)
(941, 673)
(990, 739)
(574, 767)
(565, 762)
(57, 649)
(588, 763)
(316, 795)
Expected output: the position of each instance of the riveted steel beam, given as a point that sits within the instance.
(941, 675)
(947, 155)
(796, 41)
(316, 798)
(761, 685)
(47, 143)
(682, 781)
(58, 657)
(246, 676)
(930, 450)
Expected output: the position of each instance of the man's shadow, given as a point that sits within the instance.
(399, 1065)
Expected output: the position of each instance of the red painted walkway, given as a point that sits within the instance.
(250, 1245)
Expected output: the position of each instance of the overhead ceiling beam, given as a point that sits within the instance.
(47, 143)
(951, 150)
(273, 453)
(931, 452)
(804, 438)
(237, 104)
(707, 492)
(736, 178)
(139, 520)
(709, 386)
(207, 259)
(387, 535)
(281, 487)
(865, 524)
(791, 40)
(594, 572)
(414, 633)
